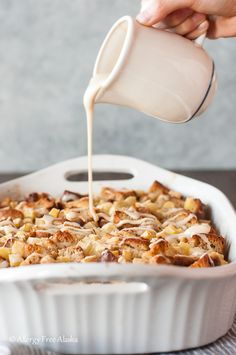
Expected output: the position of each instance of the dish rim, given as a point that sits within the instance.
(75, 270)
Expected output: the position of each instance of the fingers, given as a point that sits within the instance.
(222, 27)
(177, 17)
(191, 24)
(154, 11)
(174, 19)
(200, 30)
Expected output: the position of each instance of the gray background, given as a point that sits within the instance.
(47, 51)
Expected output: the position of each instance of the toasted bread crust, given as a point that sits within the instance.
(110, 194)
(159, 226)
(158, 188)
(9, 212)
(135, 242)
(204, 261)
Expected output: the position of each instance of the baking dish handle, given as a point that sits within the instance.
(140, 174)
(135, 170)
(107, 168)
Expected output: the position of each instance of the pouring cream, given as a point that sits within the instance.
(89, 102)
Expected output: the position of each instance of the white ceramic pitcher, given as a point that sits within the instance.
(156, 72)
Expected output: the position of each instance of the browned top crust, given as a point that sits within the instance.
(159, 226)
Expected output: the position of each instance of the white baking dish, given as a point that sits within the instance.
(154, 308)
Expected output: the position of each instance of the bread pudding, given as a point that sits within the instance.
(159, 226)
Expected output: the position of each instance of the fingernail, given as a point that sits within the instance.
(160, 26)
(204, 25)
(144, 17)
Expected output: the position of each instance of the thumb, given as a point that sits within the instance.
(153, 11)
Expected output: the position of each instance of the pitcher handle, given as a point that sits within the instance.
(200, 40)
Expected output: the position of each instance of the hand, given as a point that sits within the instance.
(189, 17)
(185, 22)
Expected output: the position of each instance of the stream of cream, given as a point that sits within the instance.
(89, 103)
